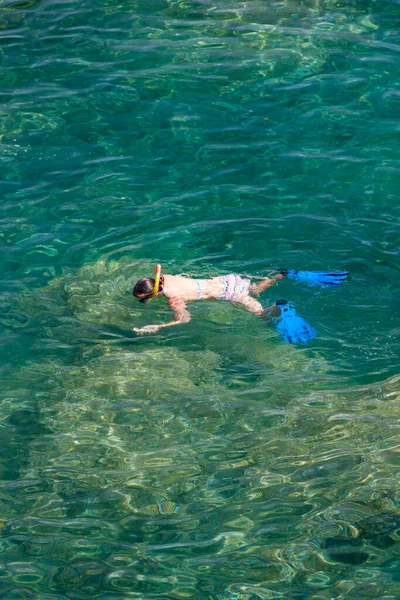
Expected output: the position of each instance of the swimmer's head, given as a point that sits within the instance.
(144, 288)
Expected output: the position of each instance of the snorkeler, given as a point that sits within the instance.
(180, 290)
(239, 291)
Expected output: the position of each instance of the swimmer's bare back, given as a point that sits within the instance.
(180, 290)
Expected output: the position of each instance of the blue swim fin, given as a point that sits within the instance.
(322, 278)
(293, 328)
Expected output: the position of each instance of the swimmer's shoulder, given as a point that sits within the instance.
(173, 279)
(174, 285)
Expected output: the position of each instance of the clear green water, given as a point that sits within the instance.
(212, 461)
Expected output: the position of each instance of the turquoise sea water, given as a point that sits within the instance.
(210, 461)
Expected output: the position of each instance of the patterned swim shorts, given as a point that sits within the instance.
(234, 287)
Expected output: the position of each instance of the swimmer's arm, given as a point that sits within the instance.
(180, 312)
(180, 315)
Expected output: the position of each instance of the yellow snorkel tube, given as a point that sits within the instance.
(156, 281)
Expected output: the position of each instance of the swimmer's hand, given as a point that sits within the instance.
(146, 329)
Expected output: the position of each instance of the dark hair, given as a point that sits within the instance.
(144, 288)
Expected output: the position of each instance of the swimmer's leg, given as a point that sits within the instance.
(256, 288)
(252, 305)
